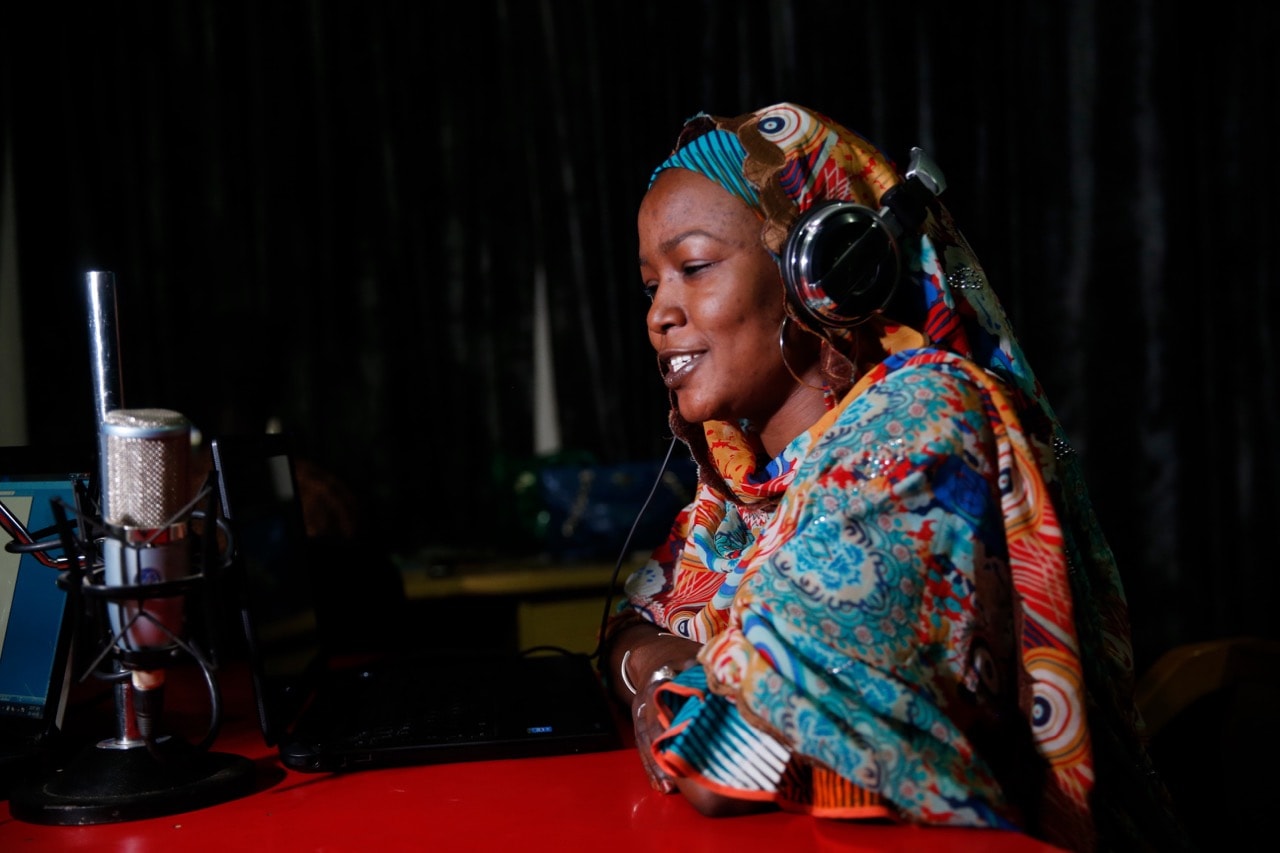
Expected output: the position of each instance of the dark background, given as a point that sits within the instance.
(333, 214)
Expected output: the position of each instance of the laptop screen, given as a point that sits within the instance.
(260, 500)
(34, 628)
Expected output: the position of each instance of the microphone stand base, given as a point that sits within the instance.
(109, 785)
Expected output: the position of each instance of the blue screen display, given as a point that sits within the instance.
(31, 602)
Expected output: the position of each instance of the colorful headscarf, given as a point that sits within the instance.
(1072, 624)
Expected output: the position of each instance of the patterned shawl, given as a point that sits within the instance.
(917, 584)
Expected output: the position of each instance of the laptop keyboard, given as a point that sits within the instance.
(390, 709)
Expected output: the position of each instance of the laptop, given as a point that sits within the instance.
(36, 616)
(399, 708)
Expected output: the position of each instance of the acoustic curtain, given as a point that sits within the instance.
(335, 216)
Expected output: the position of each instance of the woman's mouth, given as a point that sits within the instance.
(678, 366)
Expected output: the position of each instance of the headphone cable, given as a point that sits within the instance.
(626, 545)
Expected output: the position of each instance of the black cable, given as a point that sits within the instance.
(626, 546)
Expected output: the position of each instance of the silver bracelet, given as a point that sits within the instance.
(622, 670)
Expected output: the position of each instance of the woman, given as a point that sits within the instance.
(889, 598)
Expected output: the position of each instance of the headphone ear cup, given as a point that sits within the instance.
(840, 264)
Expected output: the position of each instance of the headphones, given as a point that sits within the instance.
(841, 261)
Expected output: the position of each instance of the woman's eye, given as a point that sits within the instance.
(694, 269)
(650, 290)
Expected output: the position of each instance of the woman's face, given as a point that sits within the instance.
(717, 301)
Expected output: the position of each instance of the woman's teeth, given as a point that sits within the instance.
(680, 362)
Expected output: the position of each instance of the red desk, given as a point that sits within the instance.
(598, 801)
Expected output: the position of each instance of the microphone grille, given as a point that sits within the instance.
(145, 461)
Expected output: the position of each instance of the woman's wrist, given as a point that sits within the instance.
(625, 676)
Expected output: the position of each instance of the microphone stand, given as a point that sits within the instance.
(139, 773)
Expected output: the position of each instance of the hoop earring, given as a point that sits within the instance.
(782, 351)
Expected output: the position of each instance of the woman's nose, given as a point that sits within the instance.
(664, 310)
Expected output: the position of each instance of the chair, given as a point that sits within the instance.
(1212, 711)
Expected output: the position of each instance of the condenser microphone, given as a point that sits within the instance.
(138, 557)
(145, 460)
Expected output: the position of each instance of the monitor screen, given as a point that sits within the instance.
(32, 605)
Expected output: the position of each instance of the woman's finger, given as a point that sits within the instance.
(647, 728)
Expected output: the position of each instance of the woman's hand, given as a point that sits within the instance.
(641, 657)
(648, 723)
(649, 726)
(644, 716)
